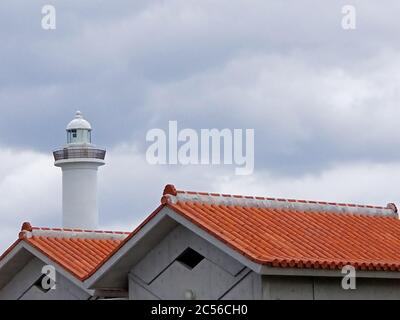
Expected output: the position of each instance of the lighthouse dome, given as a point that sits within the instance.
(79, 131)
(79, 123)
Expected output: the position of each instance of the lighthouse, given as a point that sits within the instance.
(79, 161)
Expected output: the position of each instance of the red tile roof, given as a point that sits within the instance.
(77, 251)
(295, 233)
(269, 231)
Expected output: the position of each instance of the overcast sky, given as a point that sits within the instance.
(323, 101)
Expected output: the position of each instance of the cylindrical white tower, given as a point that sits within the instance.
(79, 160)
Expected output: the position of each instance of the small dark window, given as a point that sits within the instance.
(190, 258)
(38, 284)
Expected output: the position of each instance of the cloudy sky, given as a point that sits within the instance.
(323, 101)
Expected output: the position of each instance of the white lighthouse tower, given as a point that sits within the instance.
(79, 161)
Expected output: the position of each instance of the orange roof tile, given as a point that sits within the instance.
(77, 251)
(296, 233)
(269, 231)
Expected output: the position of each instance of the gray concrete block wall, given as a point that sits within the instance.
(248, 288)
(287, 288)
(65, 290)
(158, 275)
(366, 289)
(22, 281)
(173, 245)
(206, 281)
(22, 287)
(328, 288)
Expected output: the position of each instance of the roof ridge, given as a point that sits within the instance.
(27, 231)
(269, 202)
(80, 230)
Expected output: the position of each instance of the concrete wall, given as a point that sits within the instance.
(218, 276)
(22, 286)
(328, 288)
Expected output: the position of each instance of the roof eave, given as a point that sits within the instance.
(309, 272)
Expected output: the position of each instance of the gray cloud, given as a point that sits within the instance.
(323, 101)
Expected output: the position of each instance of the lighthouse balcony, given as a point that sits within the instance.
(79, 153)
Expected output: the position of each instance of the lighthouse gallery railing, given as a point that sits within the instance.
(65, 154)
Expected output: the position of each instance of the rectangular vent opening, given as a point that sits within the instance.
(190, 258)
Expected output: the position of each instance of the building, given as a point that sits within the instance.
(73, 253)
(198, 245)
(215, 246)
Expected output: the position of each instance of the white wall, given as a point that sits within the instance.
(80, 209)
